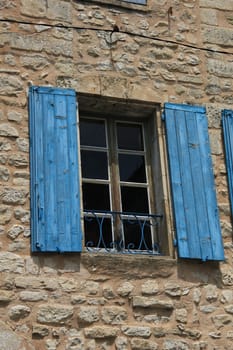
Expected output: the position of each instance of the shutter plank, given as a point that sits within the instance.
(227, 122)
(196, 214)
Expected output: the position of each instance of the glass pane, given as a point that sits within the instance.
(137, 235)
(134, 199)
(97, 235)
(96, 196)
(129, 136)
(92, 133)
(94, 165)
(132, 168)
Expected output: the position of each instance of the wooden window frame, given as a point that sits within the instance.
(148, 114)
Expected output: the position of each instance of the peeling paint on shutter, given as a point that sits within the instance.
(55, 197)
(192, 183)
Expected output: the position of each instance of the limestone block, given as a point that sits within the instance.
(219, 36)
(8, 130)
(152, 302)
(121, 343)
(114, 314)
(6, 296)
(68, 284)
(217, 4)
(15, 231)
(221, 320)
(229, 308)
(59, 11)
(209, 16)
(78, 299)
(181, 315)
(17, 246)
(125, 289)
(18, 160)
(150, 287)
(170, 344)
(196, 295)
(136, 331)
(23, 144)
(96, 301)
(88, 314)
(4, 145)
(11, 262)
(13, 196)
(173, 289)
(5, 214)
(90, 287)
(227, 296)
(211, 293)
(220, 68)
(54, 313)
(34, 62)
(142, 344)
(31, 264)
(32, 296)
(39, 331)
(108, 292)
(101, 332)
(14, 116)
(22, 215)
(4, 174)
(19, 311)
(10, 85)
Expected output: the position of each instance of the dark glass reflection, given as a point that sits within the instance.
(132, 168)
(92, 133)
(96, 196)
(134, 239)
(129, 136)
(94, 165)
(134, 199)
(93, 236)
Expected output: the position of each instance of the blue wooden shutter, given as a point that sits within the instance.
(55, 199)
(192, 183)
(227, 122)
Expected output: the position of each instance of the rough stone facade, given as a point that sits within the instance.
(168, 51)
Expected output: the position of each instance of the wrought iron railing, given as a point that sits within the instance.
(122, 232)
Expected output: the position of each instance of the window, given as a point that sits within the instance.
(124, 172)
(117, 185)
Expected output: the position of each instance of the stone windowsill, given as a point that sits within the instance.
(123, 4)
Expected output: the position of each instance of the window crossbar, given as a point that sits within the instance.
(125, 233)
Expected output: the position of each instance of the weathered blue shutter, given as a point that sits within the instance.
(55, 199)
(192, 183)
(227, 122)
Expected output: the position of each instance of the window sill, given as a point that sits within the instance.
(123, 4)
(128, 266)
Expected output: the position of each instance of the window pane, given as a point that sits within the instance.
(96, 196)
(137, 235)
(134, 199)
(94, 165)
(129, 136)
(92, 133)
(97, 235)
(132, 168)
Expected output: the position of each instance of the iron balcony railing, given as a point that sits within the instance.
(122, 232)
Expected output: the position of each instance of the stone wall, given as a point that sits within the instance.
(170, 51)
